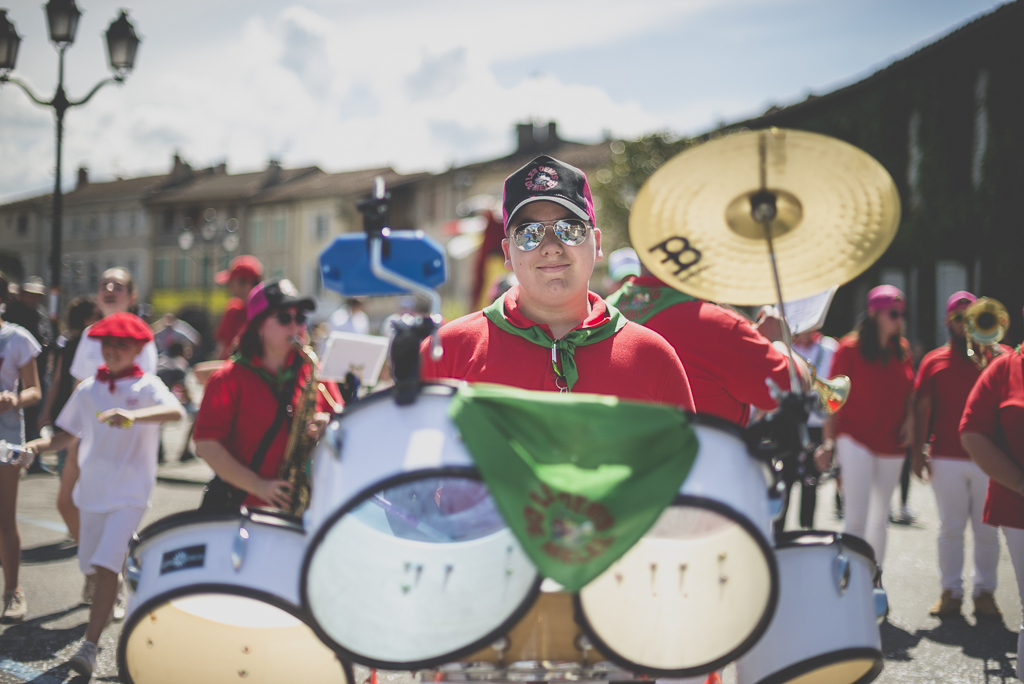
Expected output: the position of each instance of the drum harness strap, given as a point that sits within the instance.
(563, 361)
(283, 390)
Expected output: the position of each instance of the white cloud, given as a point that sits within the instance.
(341, 85)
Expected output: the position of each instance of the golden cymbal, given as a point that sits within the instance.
(837, 210)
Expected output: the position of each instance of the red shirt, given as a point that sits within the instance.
(239, 407)
(633, 364)
(947, 376)
(725, 358)
(232, 323)
(876, 408)
(995, 408)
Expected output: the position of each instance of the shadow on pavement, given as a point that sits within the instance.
(896, 642)
(49, 553)
(988, 640)
(30, 641)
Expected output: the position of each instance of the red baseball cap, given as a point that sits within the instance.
(124, 326)
(245, 267)
(886, 297)
(959, 300)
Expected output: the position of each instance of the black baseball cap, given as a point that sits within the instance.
(546, 178)
(273, 294)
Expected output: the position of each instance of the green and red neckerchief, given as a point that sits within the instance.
(642, 298)
(562, 350)
(277, 381)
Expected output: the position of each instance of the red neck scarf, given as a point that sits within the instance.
(103, 374)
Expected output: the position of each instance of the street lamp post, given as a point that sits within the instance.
(62, 19)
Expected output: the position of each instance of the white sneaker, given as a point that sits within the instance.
(120, 602)
(84, 662)
(15, 608)
(89, 588)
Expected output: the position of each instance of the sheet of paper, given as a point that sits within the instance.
(362, 355)
(809, 313)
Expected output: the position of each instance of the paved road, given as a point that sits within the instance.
(919, 649)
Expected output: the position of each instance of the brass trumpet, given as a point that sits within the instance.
(832, 393)
(985, 322)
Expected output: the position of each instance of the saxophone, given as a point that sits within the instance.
(295, 466)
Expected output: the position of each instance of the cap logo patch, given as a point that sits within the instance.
(287, 288)
(541, 179)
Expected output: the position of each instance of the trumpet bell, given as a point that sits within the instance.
(832, 393)
(986, 321)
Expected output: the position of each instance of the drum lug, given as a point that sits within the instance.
(881, 597)
(841, 568)
(132, 566)
(584, 645)
(501, 645)
(238, 546)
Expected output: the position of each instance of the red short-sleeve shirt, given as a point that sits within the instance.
(726, 359)
(995, 408)
(635, 363)
(239, 407)
(232, 323)
(876, 407)
(947, 376)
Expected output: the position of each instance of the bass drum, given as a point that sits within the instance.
(699, 589)
(411, 565)
(826, 628)
(216, 600)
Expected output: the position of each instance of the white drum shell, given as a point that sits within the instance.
(212, 621)
(378, 439)
(816, 624)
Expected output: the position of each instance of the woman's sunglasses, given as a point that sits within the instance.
(528, 236)
(286, 317)
(895, 314)
(956, 317)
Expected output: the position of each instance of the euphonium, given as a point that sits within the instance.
(294, 467)
(985, 322)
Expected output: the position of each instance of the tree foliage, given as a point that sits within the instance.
(616, 185)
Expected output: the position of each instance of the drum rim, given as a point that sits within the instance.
(831, 658)
(792, 539)
(434, 388)
(269, 516)
(518, 614)
(755, 635)
(139, 614)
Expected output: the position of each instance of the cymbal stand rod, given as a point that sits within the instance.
(794, 380)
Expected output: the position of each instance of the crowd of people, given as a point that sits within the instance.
(112, 381)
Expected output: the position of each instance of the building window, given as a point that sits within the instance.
(320, 227)
(257, 230)
(184, 271)
(168, 221)
(280, 230)
(160, 278)
(133, 218)
(93, 281)
(205, 278)
(23, 224)
(133, 269)
(112, 223)
(93, 231)
(76, 228)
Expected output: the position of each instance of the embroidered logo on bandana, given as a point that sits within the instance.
(639, 303)
(574, 525)
(541, 179)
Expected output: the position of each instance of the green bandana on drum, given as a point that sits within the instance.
(565, 364)
(579, 479)
(640, 303)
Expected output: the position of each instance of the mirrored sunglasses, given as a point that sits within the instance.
(528, 236)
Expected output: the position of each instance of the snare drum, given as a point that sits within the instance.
(411, 565)
(216, 599)
(825, 630)
(699, 589)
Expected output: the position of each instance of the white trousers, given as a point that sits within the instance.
(868, 484)
(960, 487)
(1015, 545)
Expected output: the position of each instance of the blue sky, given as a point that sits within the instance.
(421, 85)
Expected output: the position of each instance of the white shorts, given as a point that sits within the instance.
(103, 538)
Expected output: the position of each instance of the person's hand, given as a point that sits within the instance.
(316, 425)
(823, 456)
(922, 467)
(8, 401)
(26, 457)
(117, 417)
(275, 492)
(769, 324)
